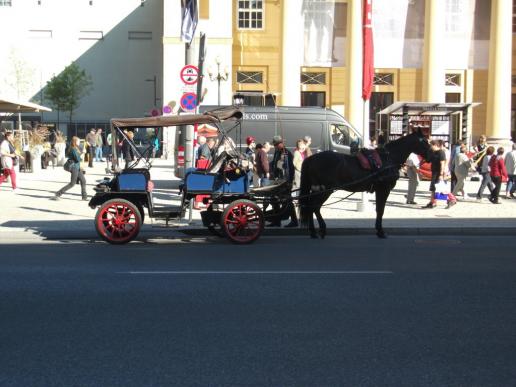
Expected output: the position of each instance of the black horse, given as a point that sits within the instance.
(325, 172)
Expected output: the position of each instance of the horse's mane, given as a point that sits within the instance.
(399, 149)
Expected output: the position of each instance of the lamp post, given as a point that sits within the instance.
(220, 76)
(153, 80)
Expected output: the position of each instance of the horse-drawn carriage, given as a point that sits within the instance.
(234, 210)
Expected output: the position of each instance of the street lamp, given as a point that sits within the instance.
(153, 80)
(220, 76)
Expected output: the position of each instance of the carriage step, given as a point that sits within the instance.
(167, 213)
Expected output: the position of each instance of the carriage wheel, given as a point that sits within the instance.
(118, 221)
(242, 221)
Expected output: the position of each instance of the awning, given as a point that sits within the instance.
(426, 108)
(10, 106)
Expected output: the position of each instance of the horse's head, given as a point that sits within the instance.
(421, 143)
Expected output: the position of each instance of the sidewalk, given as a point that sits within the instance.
(30, 214)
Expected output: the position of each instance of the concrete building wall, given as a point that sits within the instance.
(117, 42)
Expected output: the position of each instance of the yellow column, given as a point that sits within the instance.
(498, 122)
(433, 68)
(292, 53)
(354, 108)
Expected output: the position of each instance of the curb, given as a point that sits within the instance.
(196, 231)
(400, 231)
(280, 232)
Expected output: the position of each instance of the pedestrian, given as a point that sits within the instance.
(283, 169)
(438, 168)
(8, 160)
(262, 165)
(462, 164)
(308, 142)
(510, 165)
(498, 173)
(299, 156)
(128, 148)
(155, 143)
(413, 163)
(250, 155)
(91, 141)
(109, 152)
(99, 144)
(455, 149)
(76, 173)
(484, 172)
(480, 148)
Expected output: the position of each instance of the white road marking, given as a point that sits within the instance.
(254, 272)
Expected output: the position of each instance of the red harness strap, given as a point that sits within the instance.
(365, 161)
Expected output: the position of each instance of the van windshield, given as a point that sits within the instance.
(343, 135)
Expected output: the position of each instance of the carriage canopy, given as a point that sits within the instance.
(211, 118)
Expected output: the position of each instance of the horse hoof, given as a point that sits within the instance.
(314, 236)
(381, 235)
(322, 235)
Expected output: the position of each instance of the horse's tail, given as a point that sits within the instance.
(305, 210)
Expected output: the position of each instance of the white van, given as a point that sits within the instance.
(328, 129)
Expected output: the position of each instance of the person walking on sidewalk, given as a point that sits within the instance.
(99, 144)
(283, 169)
(298, 158)
(480, 154)
(91, 141)
(462, 164)
(454, 150)
(7, 160)
(262, 165)
(413, 176)
(510, 165)
(438, 168)
(484, 172)
(498, 174)
(76, 174)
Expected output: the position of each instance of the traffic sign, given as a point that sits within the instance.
(189, 101)
(189, 74)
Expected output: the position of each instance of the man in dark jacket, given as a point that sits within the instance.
(262, 164)
(283, 169)
(127, 148)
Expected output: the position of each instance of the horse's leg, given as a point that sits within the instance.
(311, 225)
(320, 220)
(382, 193)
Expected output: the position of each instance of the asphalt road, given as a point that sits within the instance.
(346, 311)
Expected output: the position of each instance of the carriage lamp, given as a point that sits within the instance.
(219, 76)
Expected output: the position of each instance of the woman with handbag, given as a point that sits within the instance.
(73, 165)
(8, 159)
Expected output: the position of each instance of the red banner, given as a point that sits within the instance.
(368, 51)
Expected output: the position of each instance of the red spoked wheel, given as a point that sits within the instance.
(118, 221)
(242, 221)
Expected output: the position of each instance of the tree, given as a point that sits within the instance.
(21, 76)
(65, 91)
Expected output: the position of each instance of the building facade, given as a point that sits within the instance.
(307, 52)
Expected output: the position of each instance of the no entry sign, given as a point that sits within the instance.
(189, 101)
(189, 74)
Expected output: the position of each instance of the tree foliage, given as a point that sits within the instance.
(65, 91)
